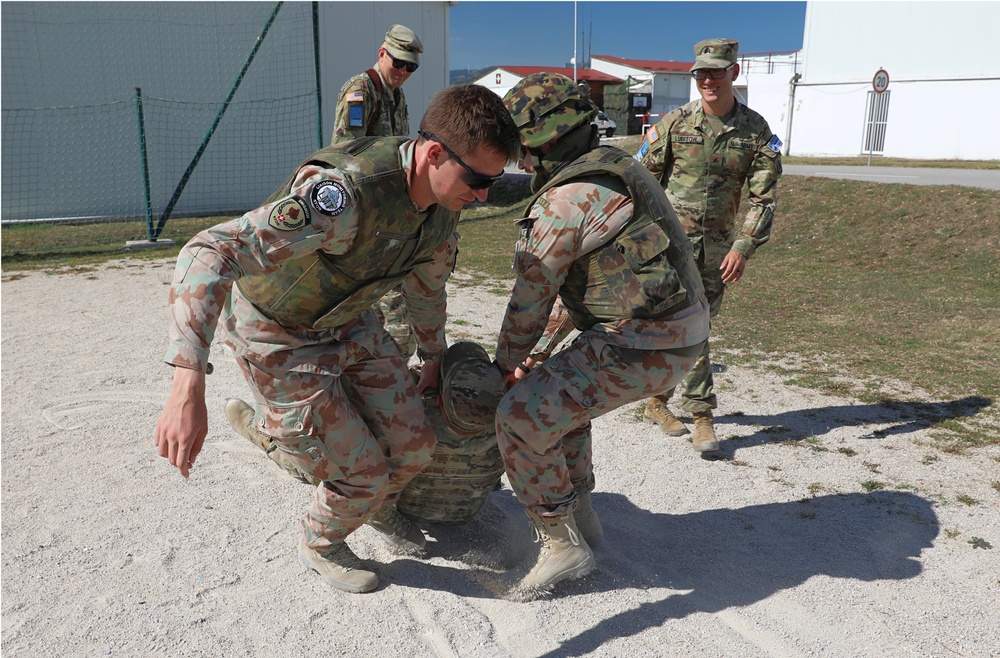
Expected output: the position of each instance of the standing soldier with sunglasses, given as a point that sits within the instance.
(372, 104)
(291, 285)
(704, 153)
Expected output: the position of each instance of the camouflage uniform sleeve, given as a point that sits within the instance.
(558, 328)
(427, 299)
(256, 243)
(568, 221)
(355, 105)
(654, 151)
(762, 187)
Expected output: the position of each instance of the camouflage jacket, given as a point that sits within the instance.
(564, 226)
(356, 103)
(321, 214)
(703, 176)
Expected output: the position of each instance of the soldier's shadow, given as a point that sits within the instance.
(899, 418)
(714, 559)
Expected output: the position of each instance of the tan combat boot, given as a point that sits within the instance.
(563, 553)
(339, 567)
(240, 415)
(587, 522)
(398, 531)
(658, 413)
(704, 439)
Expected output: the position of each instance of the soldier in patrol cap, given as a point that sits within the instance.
(291, 285)
(371, 104)
(599, 234)
(704, 154)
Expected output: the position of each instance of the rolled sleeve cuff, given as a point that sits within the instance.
(185, 356)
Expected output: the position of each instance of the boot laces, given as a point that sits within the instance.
(391, 516)
(342, 555)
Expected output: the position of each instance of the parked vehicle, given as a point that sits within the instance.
(605, 126)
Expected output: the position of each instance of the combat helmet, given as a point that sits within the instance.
(546, 106)
(471, 388)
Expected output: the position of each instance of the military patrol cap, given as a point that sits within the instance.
(403, 43)
(715, 53)
(471, 388)
(547, 105)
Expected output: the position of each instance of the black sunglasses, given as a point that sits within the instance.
(472, 178)
(400, 64)
(715, 74)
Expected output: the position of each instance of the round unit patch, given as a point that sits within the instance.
(289, 214)
(329, 197)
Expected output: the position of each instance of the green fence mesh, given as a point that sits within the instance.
(72, 164)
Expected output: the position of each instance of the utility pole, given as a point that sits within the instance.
(574, 41)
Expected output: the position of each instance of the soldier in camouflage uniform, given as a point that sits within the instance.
(703, 153)
(372, 104)
(600, 234)
(379, 90)
(291, 285)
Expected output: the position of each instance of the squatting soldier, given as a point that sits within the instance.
(466, 465)
(330, 387)
(372, 104)
(703, 153)
(598, 233)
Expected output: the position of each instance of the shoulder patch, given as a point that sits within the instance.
(774, 144)
(289, 214)
(328, 197)
(643, 149)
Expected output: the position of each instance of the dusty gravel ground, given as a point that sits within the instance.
(779, 549)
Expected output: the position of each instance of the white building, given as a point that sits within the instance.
(943, 65)
(502, 78)
(70, 71)
(665, 85)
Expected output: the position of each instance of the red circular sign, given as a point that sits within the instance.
(881, 81)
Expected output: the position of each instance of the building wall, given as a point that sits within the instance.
(499, 81)
(943, 59)
(68, 88)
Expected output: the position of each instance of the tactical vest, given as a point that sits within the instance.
(322, 290)
(647, 271)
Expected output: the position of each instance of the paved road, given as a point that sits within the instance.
(984, 178)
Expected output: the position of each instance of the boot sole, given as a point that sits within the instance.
(683, 432)
(337, 584)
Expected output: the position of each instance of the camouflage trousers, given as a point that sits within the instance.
(391, 309)
(698, 386)
(544, 421)
(363, 434)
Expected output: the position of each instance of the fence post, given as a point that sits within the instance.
(145, 165)
(319, 89)
(215, 124)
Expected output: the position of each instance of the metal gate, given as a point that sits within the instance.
(876, 119)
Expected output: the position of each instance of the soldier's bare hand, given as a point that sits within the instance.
(183, 425)
(733, 266)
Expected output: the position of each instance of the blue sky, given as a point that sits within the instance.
(486, 33)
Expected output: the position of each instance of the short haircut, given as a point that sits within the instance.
(466, 117)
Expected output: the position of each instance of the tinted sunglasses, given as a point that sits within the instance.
(400, 64)
(471, 177)
(715, 74)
